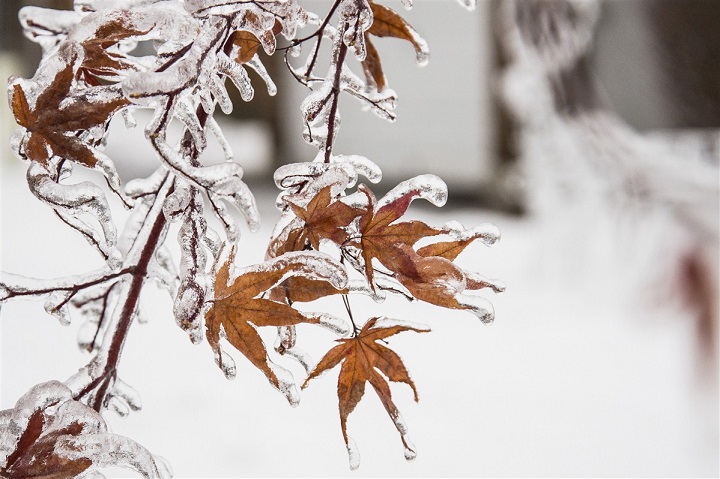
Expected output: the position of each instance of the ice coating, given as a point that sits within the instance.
(262, 72)
(478, 281)
(357, 17)
(353, 454)
(57, 305)
(214, 128)
(488, 233)
(226, 363)
(285, 384)
(409, 452)
(38, 398)
(361, 165)
(105, 449)
(184, 75)
(427, 187)
(238, 75)
(125, 393)
(75, 200)
(480, 307)
(385, 322)
(332, 323)
(145, 186)
(45, 26)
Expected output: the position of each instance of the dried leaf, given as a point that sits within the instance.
(53, 122)
(363, 359)
(388, 23)
(372, 66)
(380, 239)
(247, 44)
(323, 219)
(239, 309)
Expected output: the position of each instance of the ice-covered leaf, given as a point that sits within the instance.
(50, 435)
(239, 307)
(381, 234)
(321, 219)
(388, 23)
(363, 358)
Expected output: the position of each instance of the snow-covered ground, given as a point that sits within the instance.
(588, 370)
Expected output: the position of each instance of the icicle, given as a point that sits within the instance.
(410, 453)
(217, 132)
(488, 233)
(226, 363)
(259, 68)
(84, 197)
(128, 118)
(125, 393)
(237, 74)
(218, 90)
(117, 406)
(286, 384)
(353, 454)
(427, 187)
(481, 307)
(185, 112)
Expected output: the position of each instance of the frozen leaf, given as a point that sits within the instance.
(363, 358)
(388, 23)
(52, 436)
(53, 123)
(322, 218)
(381, 235)
(239, 308)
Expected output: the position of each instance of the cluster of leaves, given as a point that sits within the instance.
(334, 238)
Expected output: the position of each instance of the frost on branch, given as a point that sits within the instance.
(334, 237)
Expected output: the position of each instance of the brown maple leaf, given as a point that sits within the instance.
(239, 308)
(383, 239)
(388, 23)
(372, 66)
(52, 123)
(363, 359)
(100, 59)
(323, 218)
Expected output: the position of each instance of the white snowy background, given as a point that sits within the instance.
(592, 367)
(585, 372)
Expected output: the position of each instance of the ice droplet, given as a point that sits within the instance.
(410, 452)
(226, 364)
(353, 454)
(482, 308)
